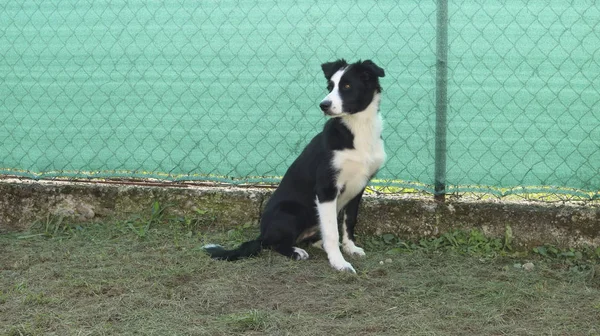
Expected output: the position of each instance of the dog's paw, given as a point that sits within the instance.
(318, 244)
(353, 250)
(342, 265)
(299, 254)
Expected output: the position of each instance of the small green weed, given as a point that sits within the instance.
(575, 259)
(193, 224)
(241, 233)
(36, 299)
(570, 253)
(52, 227)
(141, 225)
(157, 214)
(20, 287)
(472, 242)
(253, 320)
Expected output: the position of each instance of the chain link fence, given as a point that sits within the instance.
(227, 91)
(524, 95)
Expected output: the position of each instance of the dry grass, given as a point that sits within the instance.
(106, 280)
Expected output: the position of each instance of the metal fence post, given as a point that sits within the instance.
(441, 100)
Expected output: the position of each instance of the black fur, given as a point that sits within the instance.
(362, 80)
(247, 249)
(291, 210)
(332, 67)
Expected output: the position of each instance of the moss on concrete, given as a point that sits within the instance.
(531, 223)
(22, 202)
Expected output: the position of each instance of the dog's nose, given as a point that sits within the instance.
(325, 105)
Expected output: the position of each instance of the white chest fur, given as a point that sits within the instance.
(357, 165)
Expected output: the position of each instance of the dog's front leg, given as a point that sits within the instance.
(327, 209)
(349, 221)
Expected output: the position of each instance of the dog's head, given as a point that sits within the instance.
(351, 86)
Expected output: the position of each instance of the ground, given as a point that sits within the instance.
(150, 277)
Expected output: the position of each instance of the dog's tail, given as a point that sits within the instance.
(247, 249)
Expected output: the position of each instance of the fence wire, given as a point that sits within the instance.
(524, 94)
(227, 91)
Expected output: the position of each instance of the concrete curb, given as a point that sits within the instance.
(24, 201)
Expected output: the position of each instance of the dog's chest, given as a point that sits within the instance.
(356, 166)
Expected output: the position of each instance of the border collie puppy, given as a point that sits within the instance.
(329, 176)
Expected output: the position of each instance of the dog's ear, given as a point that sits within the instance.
(372, 69)
(332, 67)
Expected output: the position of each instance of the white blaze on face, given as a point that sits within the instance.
(334, 95)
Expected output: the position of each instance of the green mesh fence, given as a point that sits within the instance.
(228, 90)
(524, 94)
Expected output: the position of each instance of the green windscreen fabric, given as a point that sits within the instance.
(228, 90)
(524, 94)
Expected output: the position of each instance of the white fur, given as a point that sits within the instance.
(357, 165)
(318, 244)
(302, 255)
(334, 95)
(353, 250)
(331, 237)
(348, 245)
(210, 246)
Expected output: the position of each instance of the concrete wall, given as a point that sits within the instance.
(24, 201)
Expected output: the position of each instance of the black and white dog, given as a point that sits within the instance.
(329, 176)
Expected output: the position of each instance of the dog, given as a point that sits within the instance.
(330, 175)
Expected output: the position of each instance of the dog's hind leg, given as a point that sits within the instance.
(283, 243)
(350, 215)
(282, 234)
(291, 252)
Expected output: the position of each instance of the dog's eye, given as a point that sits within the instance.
(347, 86)
(329, 87)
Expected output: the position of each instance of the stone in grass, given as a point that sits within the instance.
(528, 266)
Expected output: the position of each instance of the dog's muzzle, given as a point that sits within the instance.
(326, 106)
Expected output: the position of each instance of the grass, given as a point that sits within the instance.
(149, 276)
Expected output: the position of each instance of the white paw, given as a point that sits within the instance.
(318, 244)
(300, 254)
(353, 250)
(342, 265)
